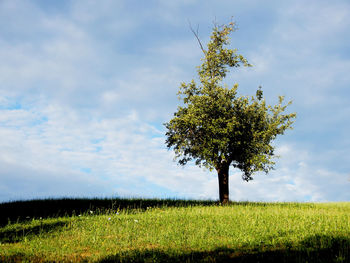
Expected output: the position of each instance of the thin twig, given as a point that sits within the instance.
(195, 33)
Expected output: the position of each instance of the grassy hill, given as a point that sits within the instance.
(141, 230)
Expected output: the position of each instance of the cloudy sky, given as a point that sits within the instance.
(85, 87)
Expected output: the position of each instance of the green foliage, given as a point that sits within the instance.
(215, 125)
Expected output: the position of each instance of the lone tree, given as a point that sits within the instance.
(215, 127)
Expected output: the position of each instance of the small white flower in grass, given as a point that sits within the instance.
(117, 213)
(91, 212)
(136, 220)
(109, 218)
(79, 215)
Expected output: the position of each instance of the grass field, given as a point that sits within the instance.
(122, 230)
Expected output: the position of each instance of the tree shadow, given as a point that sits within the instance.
(323, 249)
(21, 257)
(318, 248)
(21, 211)
(19, 233)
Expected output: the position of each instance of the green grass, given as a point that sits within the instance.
(182, 231)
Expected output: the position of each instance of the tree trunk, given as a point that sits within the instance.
(223, 182)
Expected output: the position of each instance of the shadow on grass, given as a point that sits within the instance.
(20, 211)
(313, 249)
(19, 233)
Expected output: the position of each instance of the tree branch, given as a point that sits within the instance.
(195, 33)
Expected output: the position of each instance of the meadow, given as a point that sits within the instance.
(143, 230)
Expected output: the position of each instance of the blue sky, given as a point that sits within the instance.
(86, 85)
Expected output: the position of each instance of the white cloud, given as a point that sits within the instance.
(296, 178)
(118, 155)
(23, 182)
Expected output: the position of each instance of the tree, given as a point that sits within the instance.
(217, 128)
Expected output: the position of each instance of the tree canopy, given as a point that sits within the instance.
(215, 127)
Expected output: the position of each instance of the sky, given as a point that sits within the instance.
(85, 87)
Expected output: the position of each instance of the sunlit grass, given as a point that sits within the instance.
(185, 234)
